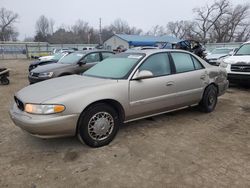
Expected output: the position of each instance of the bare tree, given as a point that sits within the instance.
(238, 17)
(181, 29)
(120, 26)
(82, 31)
(157, 30)
(51, 26)
(7, 30)
(231, 26)
(42, 29)
(208, 15)
(243, 34)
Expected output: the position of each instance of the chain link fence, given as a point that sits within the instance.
(210, 46)
(23, 50)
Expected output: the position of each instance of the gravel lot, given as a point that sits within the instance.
(181, 149)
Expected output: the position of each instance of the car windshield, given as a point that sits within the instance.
(71, 58)
(221, 51)
(57, 56)
(115, 67)
(243, 50)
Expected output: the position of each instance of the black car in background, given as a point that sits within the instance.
(74, 63)
(56, 57)
(189, 45)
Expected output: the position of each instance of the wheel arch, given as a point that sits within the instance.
(111, 102)
(213, 84)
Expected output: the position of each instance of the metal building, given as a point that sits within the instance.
(129, 41)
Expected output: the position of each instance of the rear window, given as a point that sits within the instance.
(183, 62)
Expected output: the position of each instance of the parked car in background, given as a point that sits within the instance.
(88, 48)
(238, 65)
(55, 50)
(74, 63)
(214, 57)
(123, 88)
(189, 45)
(54, 59)
(144, 48)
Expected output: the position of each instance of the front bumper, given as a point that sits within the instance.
(45, 126)
(33, 79)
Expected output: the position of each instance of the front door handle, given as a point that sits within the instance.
(203, 77)
(170, 84)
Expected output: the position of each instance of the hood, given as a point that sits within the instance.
(237, 59)
(45, 57)
(215, 56)
(49, 89)
(43, 61)
(49, 67)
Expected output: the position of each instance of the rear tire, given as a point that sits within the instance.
(209, 99)
(98, 125)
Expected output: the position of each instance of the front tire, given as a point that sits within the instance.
(5, 81)
(209, 99)
(98, 125)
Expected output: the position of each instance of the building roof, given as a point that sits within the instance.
(146, 40)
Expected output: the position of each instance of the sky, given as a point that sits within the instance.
(143, 14)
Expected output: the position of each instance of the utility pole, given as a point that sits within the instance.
(100, 31)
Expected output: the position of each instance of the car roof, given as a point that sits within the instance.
(153, 51)
(89, 51)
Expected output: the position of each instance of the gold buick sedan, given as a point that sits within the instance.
(123, 88)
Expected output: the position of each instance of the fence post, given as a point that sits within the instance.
(39, 49)
(27, 51)
(1, 47)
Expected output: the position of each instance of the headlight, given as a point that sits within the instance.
(46, 74)
(44, 108)
(223, 64)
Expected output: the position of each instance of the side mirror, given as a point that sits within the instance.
(82, 62)
(142, 75)
(231, 53)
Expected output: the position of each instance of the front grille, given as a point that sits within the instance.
(34, 74)
(240, 68)
(19, 103)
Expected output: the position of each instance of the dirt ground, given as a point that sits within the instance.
(180, 149)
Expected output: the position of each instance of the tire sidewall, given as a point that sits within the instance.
(5, 81)
(83, 133)
(210, 90)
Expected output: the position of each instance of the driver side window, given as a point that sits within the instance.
(91, 58)
(158, 64)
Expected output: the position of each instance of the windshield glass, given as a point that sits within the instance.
(243, 50)
(221, 51)
(57, 56)
(115, 67)
(71, 58)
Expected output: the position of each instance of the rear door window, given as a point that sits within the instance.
(183, 62)
(93, 57)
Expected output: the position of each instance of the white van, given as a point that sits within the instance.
(238, 65)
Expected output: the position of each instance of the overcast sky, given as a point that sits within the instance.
(139, 13)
